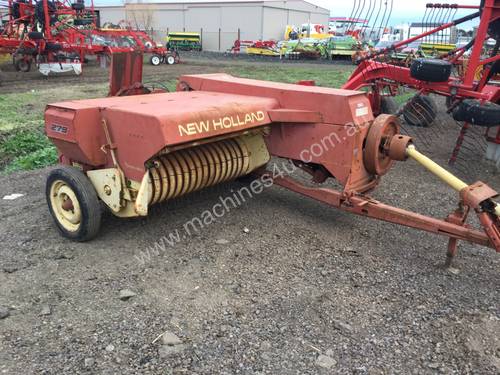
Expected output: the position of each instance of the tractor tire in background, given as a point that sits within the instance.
(73, 203)
(430, 70)
(493, 27)
(53, 47)
(82, 21)
(40, 12)
(388, 105)
(78, 6)
(170, 59)
(155, 60)
(35, 35)
(475, 113)
(22, 65)
(420, 111)
(15, 10)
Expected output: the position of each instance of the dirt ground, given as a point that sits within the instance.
(279, 285)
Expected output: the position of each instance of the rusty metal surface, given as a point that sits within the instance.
(477, 193)
(365, 206)
(397, 147)
(380, 134)
(125, 72)
(335, 105)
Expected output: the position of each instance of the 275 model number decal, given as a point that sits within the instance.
(59, 129)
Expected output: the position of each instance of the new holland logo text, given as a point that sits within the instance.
(226, 122)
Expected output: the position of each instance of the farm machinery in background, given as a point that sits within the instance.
(302, 48)
(472, 93)
(143, 147)
(58, 36)
(309, 41)
(184, 41)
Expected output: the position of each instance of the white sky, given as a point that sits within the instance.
(403, 10)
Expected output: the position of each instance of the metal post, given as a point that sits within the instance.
(219, 38)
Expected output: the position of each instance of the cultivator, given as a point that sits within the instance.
(473, 96)
(132, 152)
(58, 35)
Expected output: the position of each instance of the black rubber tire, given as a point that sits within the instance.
(40, 13)
(82, 21)
(471, 111)
(494, 29)
(53, 47)
(430, 70)
(87, 198)
(22, 65)
(26, 51)
(388, 105)
(422, 111)
(16, 14)
(78, 6)
(35, 35)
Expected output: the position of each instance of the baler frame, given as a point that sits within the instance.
(195, 143)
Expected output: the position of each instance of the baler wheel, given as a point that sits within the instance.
(375, 157)
(73, 204)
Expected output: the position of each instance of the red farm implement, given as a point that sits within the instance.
(473, 93)
(58, 35)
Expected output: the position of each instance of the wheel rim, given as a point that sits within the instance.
(65, 206)
(155, 60)
(375, 157)
(23, 66)
(171, 60)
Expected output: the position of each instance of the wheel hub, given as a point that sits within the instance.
(65, 205)
(376, 156)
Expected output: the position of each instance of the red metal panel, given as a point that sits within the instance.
(335, 105)
(140, 126)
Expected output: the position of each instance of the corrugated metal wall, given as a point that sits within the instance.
(220, 22)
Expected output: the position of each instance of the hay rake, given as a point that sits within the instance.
(472, 95)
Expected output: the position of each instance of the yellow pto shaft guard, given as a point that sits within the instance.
(453, 181)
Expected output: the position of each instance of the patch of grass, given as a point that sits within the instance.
(327, 76)
(23, 144)
(38, 159)
(403, 98)
(26, 149)
(19, 109)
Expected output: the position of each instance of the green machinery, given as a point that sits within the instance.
(184, 41)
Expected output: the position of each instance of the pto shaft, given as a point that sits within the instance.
(440, 172)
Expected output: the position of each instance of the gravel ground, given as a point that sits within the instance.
(279, 285)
